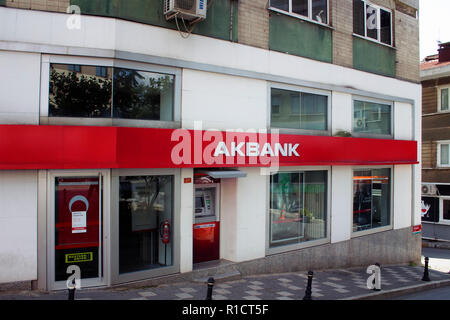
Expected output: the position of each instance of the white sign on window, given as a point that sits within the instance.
(79, 222)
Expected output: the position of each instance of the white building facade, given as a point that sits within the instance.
(97, 188)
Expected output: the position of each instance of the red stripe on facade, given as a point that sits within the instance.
(83, 147)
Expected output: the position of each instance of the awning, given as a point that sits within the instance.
(224, 174)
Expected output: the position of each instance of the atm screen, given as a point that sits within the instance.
(199, 202)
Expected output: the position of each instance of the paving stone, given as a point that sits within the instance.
(251, 298)
(222, 291)
(341, 290)
(284, 298)
(285, 293)
(188, 290)
(147, 294)
(255, 287)
(334, 285)
(184, 295)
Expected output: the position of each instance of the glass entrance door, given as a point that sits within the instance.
(77, 234)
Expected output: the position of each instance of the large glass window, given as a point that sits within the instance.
(371, 198)
(298, 110)
(106, 92)
(371, 117)
(372, 21)
(145, 222)
(316, 10)
(298, 207)
(77, 91)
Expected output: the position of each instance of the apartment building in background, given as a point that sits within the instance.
(160, 141)
(435, 78)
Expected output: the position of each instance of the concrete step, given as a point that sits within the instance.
(222, 270)
(218, 277)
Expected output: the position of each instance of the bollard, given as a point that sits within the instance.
(426, 276)
(72, 291)
(308, 290)
(210, 288)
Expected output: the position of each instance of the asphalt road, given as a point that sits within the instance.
(433, 294)
(439, 258)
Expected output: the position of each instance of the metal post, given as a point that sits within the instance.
(308, 290)
(210, 288)
(426, 276)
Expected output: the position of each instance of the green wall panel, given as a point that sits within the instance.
(372, 57)
(300, 38)
(217, 23)
(2, 2)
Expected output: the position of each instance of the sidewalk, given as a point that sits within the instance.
(327, 285)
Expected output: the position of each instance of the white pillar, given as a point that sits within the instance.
(186, 220)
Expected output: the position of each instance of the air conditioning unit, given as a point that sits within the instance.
(360, 123)
(429, 189)
(186, 9)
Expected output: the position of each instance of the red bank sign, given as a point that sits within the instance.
(80, 147)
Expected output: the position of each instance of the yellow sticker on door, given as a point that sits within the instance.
(79, 257)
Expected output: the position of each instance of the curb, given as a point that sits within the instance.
(401, 291)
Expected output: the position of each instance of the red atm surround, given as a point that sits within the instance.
(206, 229)
(206, 241)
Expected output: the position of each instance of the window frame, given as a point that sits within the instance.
(439, 98)
(441, 210)
(372, 135)
(378, 40)
(301, 245)
(390, 226)
(45, 119)
(288, 87)
(299, 16)
(438, 159)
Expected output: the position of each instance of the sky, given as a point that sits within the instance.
(434, 25)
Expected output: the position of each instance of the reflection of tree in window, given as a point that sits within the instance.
(78, 95)
(142, 95)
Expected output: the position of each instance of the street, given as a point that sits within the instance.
(434, 294)
(440, 261)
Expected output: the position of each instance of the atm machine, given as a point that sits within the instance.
(206, 224)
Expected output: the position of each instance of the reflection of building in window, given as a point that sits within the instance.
(298, 110)
(372, 118)
(74, 68)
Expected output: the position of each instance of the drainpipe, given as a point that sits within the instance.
(231, 18)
